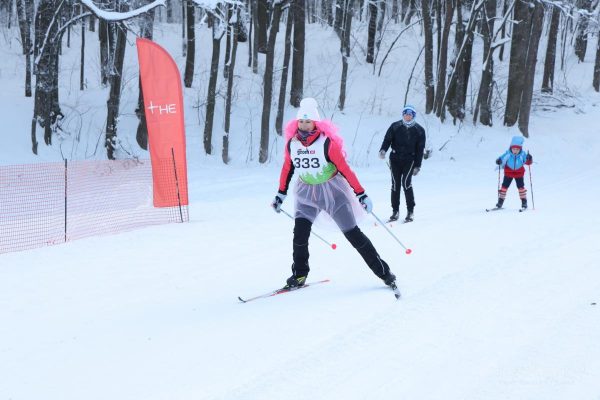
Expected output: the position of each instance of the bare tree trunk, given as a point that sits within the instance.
(339, 14)
(410, 12)
(567, 24)
(484, 97)
(146, 31)
(503, 33)
(262, 21)
(169, 7)
(191, 43)
(284, 74)
(428, 32)
(183, 28)
(537, 24)
(268, 86)
(345, 50)
(115, 79)
(596, 80)
(582, 26)
(212, 83)
(82, 56)
(440, 91)
(517, 65)
(46, 107)
(326, 12)
(460, 76)
(438, 21)
(251, 52)
(104, 51)
(404, 10)
(396, 11)
(372, 30)
(25, 17)
(550, 60)
(230, 76)
(255, 44)
(297, 89)
(228, 41)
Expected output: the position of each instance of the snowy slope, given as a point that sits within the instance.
(495, 306)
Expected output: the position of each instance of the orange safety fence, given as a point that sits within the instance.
(50, 203)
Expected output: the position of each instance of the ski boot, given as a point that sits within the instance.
(390, 280)
(394, 217)
(523, 204)
(294, 282)
(500, 202)
(409, 217)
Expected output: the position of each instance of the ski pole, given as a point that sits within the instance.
(408, 251)
(498, 191)
(531, 187)
(333, 246)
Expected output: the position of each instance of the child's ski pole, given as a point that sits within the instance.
(498, 191)
(531, 187)
(332, 245)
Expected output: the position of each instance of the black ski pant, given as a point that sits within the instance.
(402, 172)
(508, 180)
(355, 236)
(520, 185)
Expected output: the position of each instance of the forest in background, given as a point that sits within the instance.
(529, 38)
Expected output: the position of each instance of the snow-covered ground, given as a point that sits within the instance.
(495, 305)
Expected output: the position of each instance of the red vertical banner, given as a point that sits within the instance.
(163, 102)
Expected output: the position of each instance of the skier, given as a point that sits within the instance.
(513, 161)
(407, 139)
(315, 150)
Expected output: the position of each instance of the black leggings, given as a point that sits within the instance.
(402, 172)
(355, 236)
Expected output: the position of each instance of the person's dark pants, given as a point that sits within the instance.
(300, 243)
(402, 178)
(355, 236)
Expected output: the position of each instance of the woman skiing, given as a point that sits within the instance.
(315, 151)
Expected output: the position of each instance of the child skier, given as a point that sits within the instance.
(325, 183)
(513, 161)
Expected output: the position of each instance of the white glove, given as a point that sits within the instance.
(416, 171)
(382, 154)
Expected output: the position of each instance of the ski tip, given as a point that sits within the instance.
(242, 300)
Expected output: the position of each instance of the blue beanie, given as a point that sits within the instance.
(517, 141)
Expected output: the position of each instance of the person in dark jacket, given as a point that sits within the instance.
(407, 140)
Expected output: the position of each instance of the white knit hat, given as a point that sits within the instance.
(308, 110)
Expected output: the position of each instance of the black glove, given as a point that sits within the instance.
(365, 202)
(499, 161)
(277, 202)
(529, 158)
